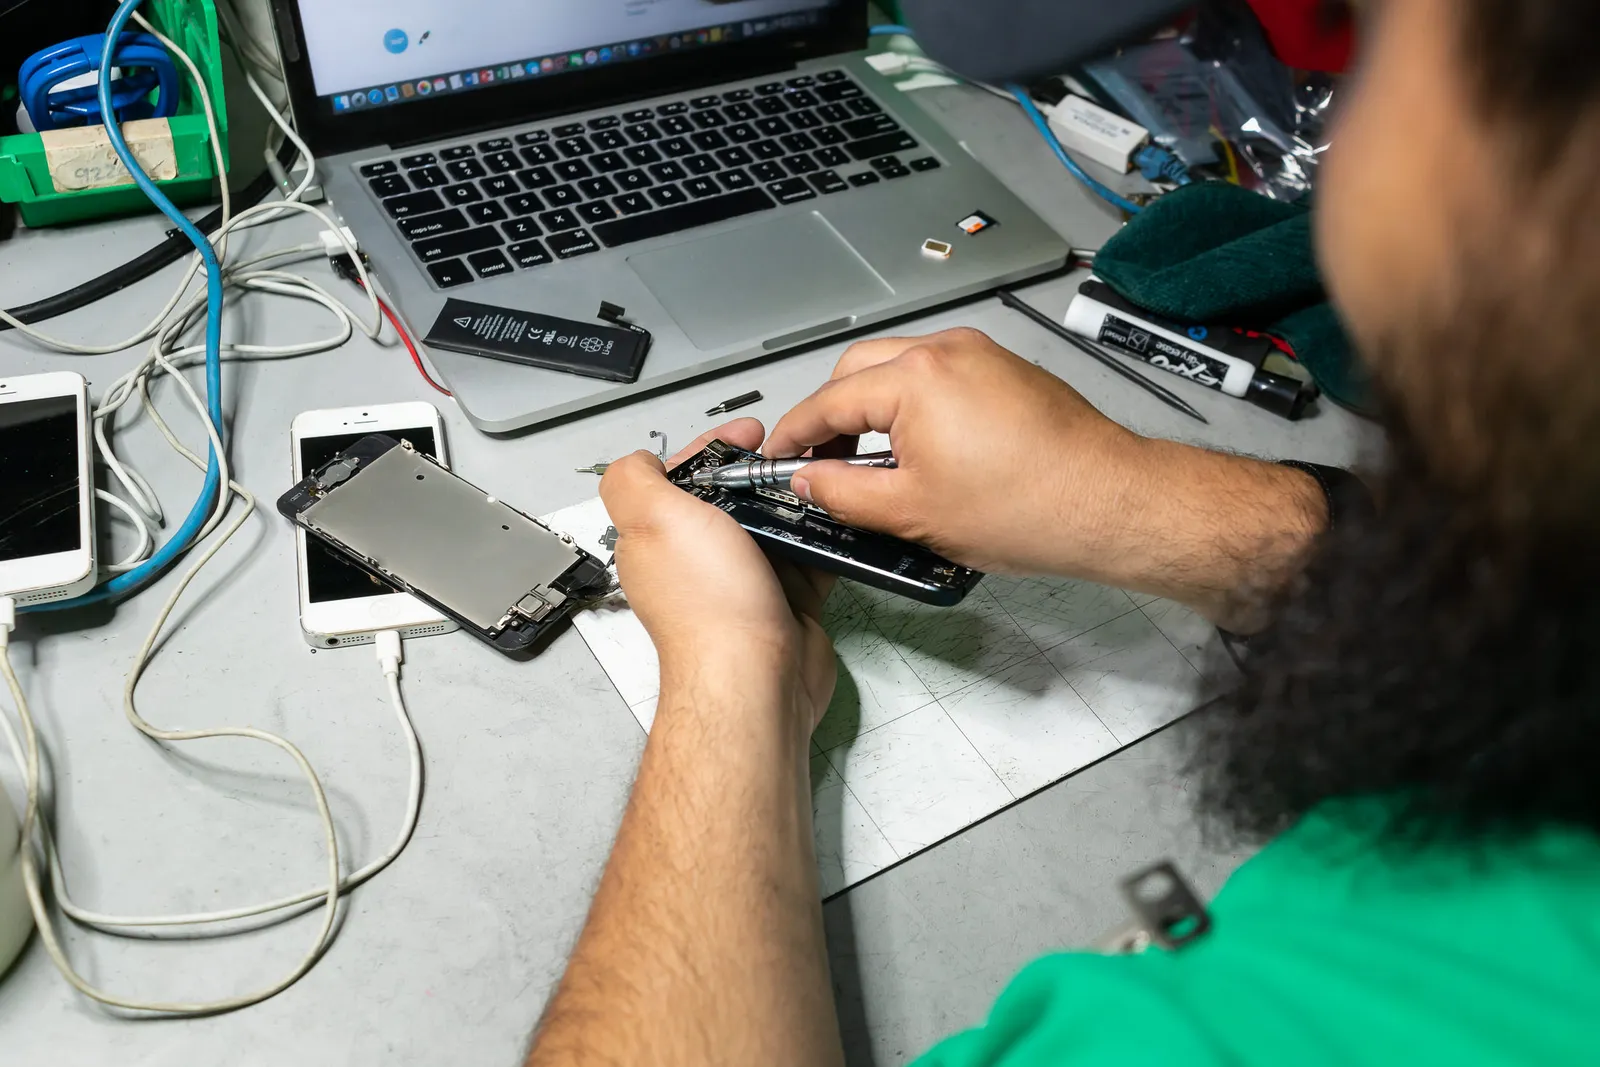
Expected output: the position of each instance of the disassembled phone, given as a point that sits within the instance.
(784, 524)
(502, 575)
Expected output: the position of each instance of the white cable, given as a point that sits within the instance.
(146, 540)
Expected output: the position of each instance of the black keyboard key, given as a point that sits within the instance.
(865, 106)
(766, 150)
(536, 178)
(883, 163)
(499, 185)
(403, 207)
(700, 188)
(610, 140)
(630, 180)
(537, 154)
(802, 98)
(570, 170)
(798, 142)
(605, 122)
(676, 126)
(529, 254)
(769, 89)
(561, 196)
(490, 264)
(642, 155)
(769, 172)
(641, 132)
(804, 120)
(465, 193)
(870, 127)
(533, 137)
(925, 163)
(632, 203)
(895, 171)
(829, 135)
(576, 243)
(801, 81)
(829, 77)
(428, 178)
(829, 182)
(835, 113)
(833, 157)
(486, 212)
(458, 244)
(498, 144)
(570, 129)
(733, 96)
(638, 114)
(866, 177)
(502, 162)
(557, 221)
(700, 103)
(702, 165)
(732, 180)
(801, 163)
(791, 191)
(676, 107)
(668, 195)
(708, 120)
(451, 272)
(597, 211)
(421, 159)
(743, 133)
(845, 90)
(606, 162)
(740, 113)
(709, 140)
(572, 147)
(773, 127)
(465, 169)
(668, 171)
(734, 157)
(884, 144)
(677, 147)
(771, 105)
(595, 188)
(438, 223)
(683, 217)
(389, 185)
(524, 203)
(460, 151)
(520, 229)
(378, 170)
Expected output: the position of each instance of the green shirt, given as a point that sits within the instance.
(1327, 950)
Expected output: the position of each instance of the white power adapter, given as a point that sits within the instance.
(1090, 131)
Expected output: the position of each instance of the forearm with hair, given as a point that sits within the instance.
(704, 944)
(1219, 533)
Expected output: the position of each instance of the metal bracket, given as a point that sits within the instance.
(663, 452)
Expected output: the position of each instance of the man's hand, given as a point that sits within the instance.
(716, 607)
(1005, 467)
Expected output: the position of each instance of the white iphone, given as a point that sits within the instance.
(341, 604)
(47, 529)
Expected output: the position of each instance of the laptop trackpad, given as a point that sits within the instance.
(759, 280)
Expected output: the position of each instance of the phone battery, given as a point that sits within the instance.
(595, 350)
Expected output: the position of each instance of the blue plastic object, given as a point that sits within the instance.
(145, 67)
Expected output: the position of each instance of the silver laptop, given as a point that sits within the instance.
(734, 174)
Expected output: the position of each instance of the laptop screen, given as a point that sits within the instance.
(367, 54)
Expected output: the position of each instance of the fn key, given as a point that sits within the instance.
(449, 273)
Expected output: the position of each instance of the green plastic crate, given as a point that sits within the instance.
(25, 173)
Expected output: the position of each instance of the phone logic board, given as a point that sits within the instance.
(790, 527)
(397, 513)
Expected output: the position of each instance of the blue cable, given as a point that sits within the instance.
(186, 533)
(1043, 126)
(890, 29)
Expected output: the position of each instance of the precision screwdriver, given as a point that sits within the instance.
(776, 473)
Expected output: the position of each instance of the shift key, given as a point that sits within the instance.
(883, 145)
(458, 244)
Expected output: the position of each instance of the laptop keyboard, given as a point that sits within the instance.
(492, 207)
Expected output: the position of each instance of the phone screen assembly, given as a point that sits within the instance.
(785, 525)
(47, 514)
(341, 603)
(499, 573)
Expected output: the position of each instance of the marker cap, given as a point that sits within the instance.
(1281, 395)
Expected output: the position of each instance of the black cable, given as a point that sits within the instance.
(170, 251)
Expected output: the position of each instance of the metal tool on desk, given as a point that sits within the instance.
(778, 473)
(1160, 392)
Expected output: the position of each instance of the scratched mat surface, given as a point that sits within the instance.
(943, 716)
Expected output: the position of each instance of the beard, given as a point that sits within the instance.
(1444, 652)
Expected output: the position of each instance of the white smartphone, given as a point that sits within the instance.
(341, 604)
(47, 528)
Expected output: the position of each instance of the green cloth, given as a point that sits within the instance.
(1326, 951)
(1213, 253)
